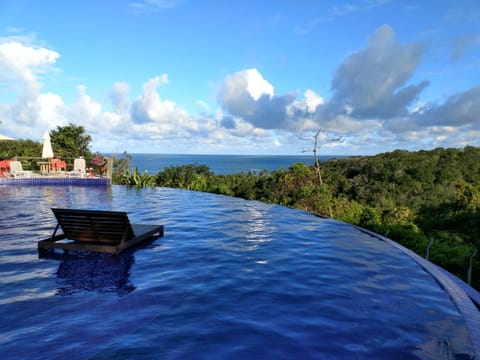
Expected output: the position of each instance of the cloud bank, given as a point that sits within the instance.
(373, 101)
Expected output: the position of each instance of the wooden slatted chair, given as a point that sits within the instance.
(94, 230)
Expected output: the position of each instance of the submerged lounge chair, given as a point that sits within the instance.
(100, 231)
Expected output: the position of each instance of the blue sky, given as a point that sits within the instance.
(243, 77)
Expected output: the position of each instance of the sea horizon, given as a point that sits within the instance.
(221, 164)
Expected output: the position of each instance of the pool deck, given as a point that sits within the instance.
(54, 179)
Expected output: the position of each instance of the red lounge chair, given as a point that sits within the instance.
(56, 165)
(4, 167)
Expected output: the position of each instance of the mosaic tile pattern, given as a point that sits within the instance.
(56, 181)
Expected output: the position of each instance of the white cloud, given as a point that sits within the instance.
(152, 6)
(458, 110)
(372, 82)
(343, 124)
(257, 86)
(247, 95)
(312, 100)
(21, 68)
(31, 116)
(204, 105)
(119, 97)
(50, 109)
(85, 109)
(338, 11)
(309, 103)
(113, 122)
(151, 113)
(241, 90)
(22, 64)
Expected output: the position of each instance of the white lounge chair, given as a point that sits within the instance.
(78, 168)
(16, 170)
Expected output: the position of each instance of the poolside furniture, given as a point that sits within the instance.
(4, 167)
(99, 231)
(78, 168)
(44, 167)
(56, 165)
(16, 170)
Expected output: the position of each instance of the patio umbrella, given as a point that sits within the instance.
(47, 151)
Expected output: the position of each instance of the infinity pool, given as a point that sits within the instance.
(230, 279)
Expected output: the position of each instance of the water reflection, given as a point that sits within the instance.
(93, 272)
(258, 228)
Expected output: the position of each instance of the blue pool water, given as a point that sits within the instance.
(230, 279)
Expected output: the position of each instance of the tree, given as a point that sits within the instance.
(317, 163)
(21, 148)
(120, 166)
(11, 149)
(71, 142)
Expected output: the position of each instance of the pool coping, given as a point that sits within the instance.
(465, 298)
(56, 181)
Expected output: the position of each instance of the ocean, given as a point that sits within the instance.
(221, 164)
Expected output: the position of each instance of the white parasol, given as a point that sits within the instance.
(47, 151)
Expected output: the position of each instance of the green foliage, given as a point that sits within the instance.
(120, 166)
(137, 179)
(460, 215)
(21, 148)
(409, 236)
(191, 176)
(71, 142)
(451, 251)
(468, 196)
(371, 218)
(348, 211)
